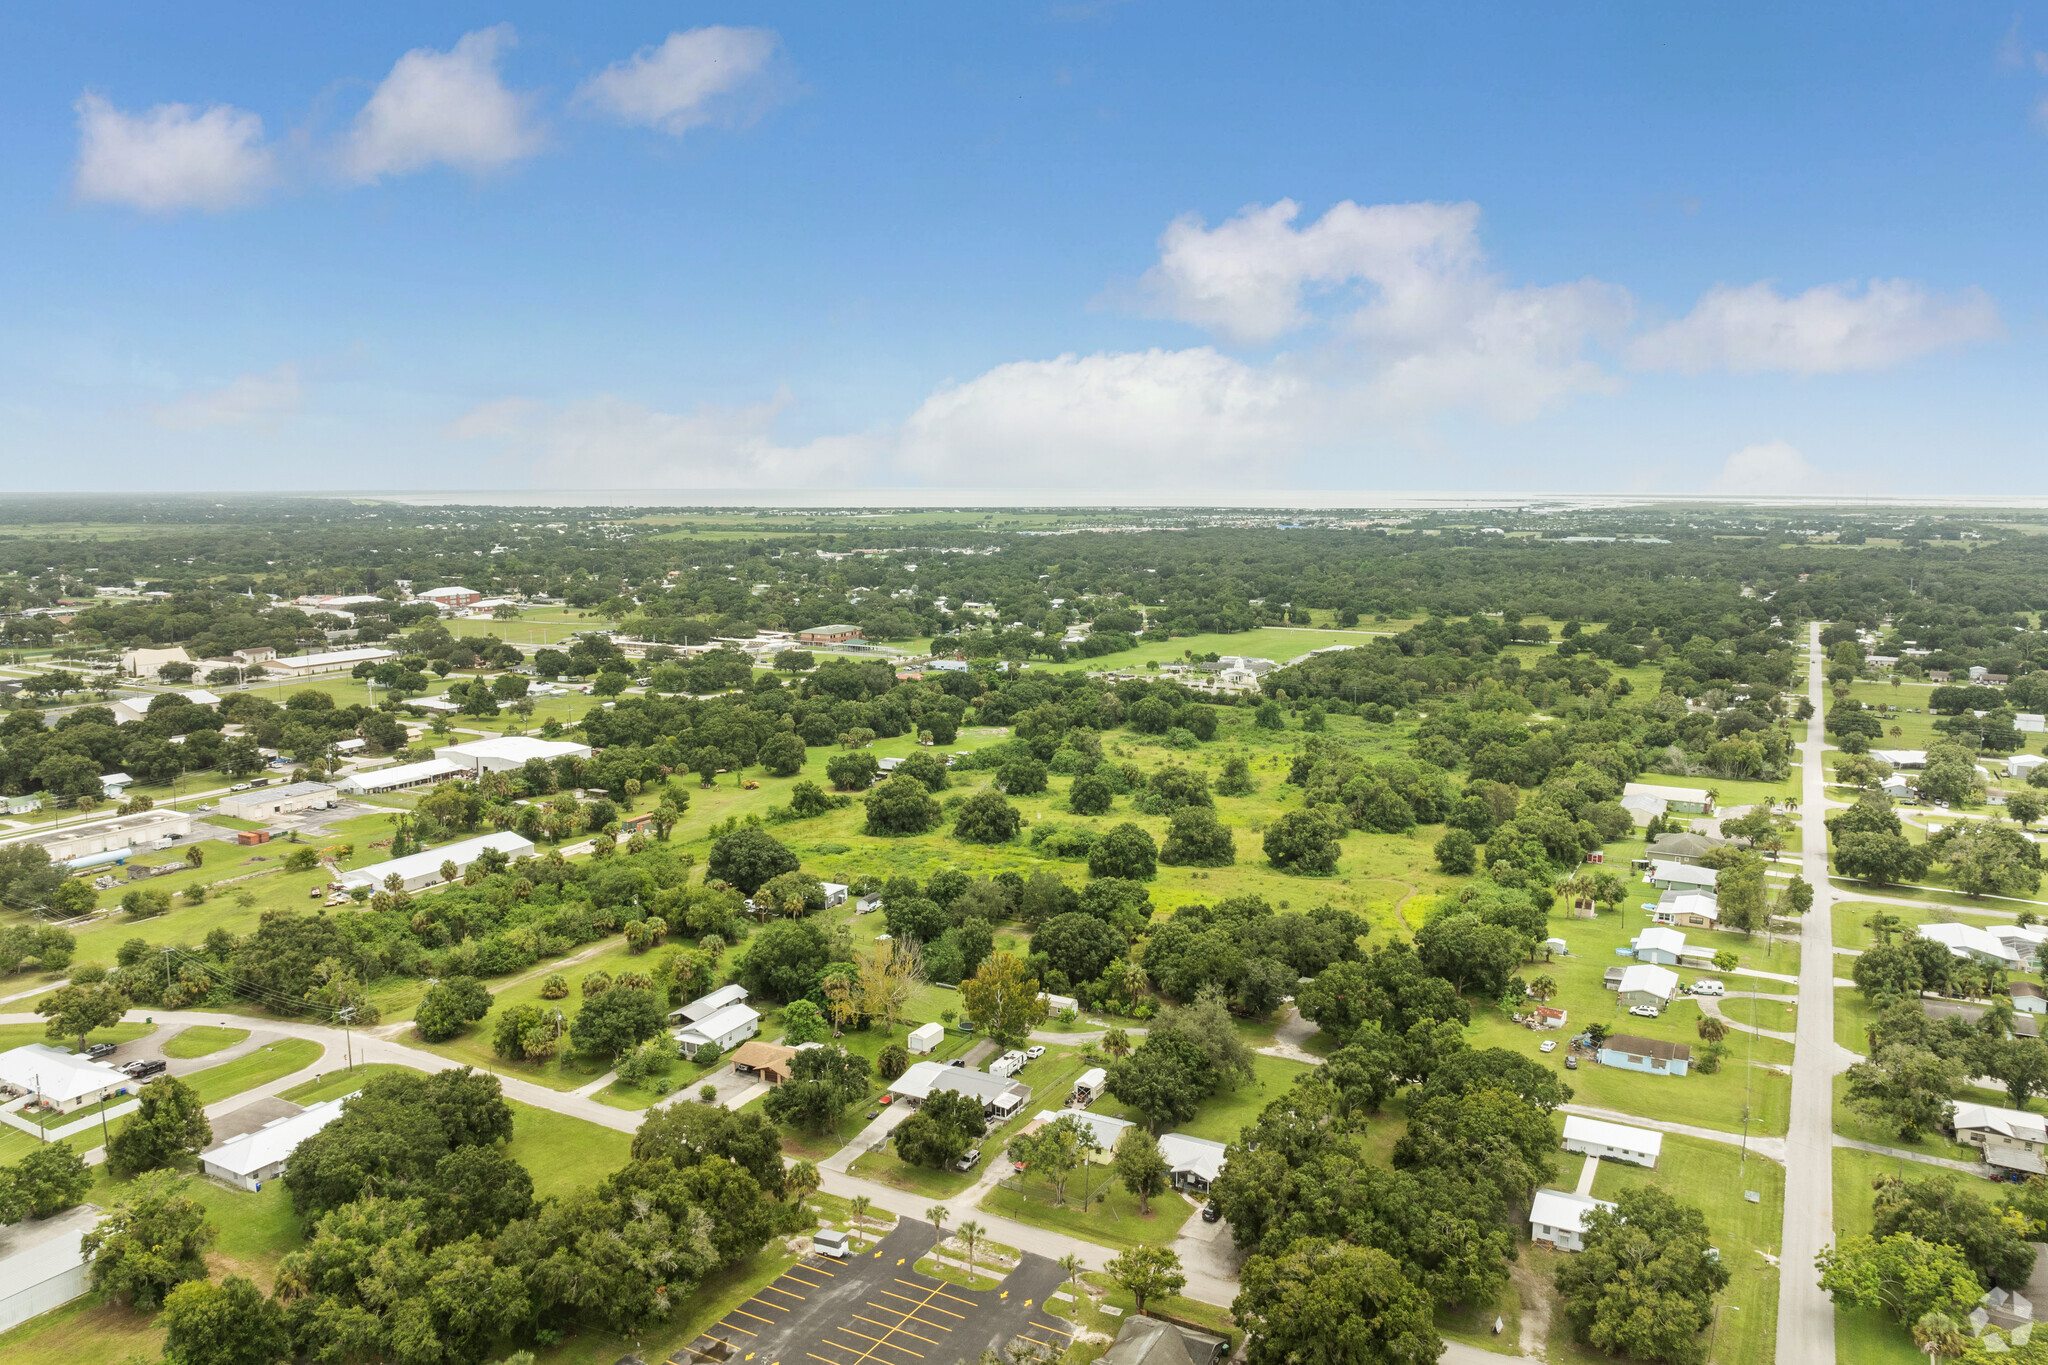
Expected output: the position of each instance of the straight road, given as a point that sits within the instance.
(1806, 1318)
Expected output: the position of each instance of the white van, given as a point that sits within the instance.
(830, 1242)
(1708, 988)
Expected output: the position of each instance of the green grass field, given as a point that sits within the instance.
(1111, 1218)
(1866, 1334)
(202, 1040)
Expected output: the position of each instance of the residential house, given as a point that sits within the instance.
(727, 1028)
(1683, 848)
(2027, 997)
(1647, 984)
(1192, 1163)
(1642, 806)
(1557, 1218)
(1967, 941)
(114, 786)
(1667, 876)
(1901, 758)
(1144, 1340)
(704, 1006)
(1651, 1055)
(769, 1061)
(1658, 945)
(247, 1161)
(1612, 1141)
(2010, 1139)
(1101, 1127)
(1548, 1017)
(835, 894)
(999, 1096)
(424, 869)
(1677, 800)
(60, 1080)
(1687, 910)
(1896, 788)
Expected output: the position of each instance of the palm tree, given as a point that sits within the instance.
(937, 1214)
(970, 1237)
(1071, 1264)
(1117, 1043)
(1712, 1029)
(860, 1204)
(803, 1179)
(1939, 1335)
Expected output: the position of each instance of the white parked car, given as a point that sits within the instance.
(1708, 988)
(1643, 1011)
(1032, 1054)
(1549, 1045)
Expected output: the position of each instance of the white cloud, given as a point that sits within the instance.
(611, 443)
(249, 399)
(690, 80)
(1830, 329)
(1132, 420)
(172, 157)
(1774, 467)
(448, 107)
(1417, 317)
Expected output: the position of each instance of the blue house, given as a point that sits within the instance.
(1652, 1055)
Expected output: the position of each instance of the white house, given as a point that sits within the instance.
(1193, 1163)
(1969, 941)
(1669, 876)
(704, 1006)
(63, 1081)
(1645, 984)
(1896, 788)
(1901, 758)
(1101, 1127)
(418, 870)
(1000, 1098)
(835, 894)
(401, 778)
(249, 1160)
(480, 756)
(1557, 1218)
(1687, 910)
(1658, 945)
(1671, 800)
(2010, 1139)
(1612, 1141)
(926, 1038)
(726, 1029)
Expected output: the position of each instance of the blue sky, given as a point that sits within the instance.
(1086, 246)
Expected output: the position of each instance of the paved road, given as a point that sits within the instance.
(1806, 1318)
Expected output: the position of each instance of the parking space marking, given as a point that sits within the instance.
(735, 1327)
(899, 1327)
(907, 1299)
(755, 1316)
(1063, 1331)
(941, 1294)
(780, 1290)
(881, 1340)
(912, 1316)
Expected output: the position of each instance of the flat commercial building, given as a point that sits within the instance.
(404, 777)
(148, 830)
(268, 802)
(828, 635)
(482, 756)
(334, 661)
(417, 870)
(42, 1265)
(249, 1160)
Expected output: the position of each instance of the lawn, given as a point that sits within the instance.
(21, 1035)
(1224, 1114)
(1778, 1016)
(883, 1166)
(260, 1067)
(203, 1040)
(1851, 1123)
(336, 1083)
(564, 1154)
(1852, 1015)
(1866, 1334)
(1110, 1218)
(1851, 929)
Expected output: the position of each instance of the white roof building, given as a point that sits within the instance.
(199, 696)
(721, 1029)
(1902, 758)
(2019, 765)
(1612, 1141)
(400, 778)
(995, 1092)
(64, 1081)
(249, 1160)
(1104, 1129)
(1091, 1081)
(1969, 941)
(2030, 722)
(424, 869)
(332, 661)
(1676, 905)
(1681, 874)
(2009, 1138)
(482, 756)
(1645, 979)
(1192, 1161)
(704, 1006)
(1659, 945)
(1559, 1218)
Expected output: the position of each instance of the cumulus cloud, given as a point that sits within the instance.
(693, 78)
(1773, 467)
(1403, 291)
(609, 442)
(447, 107)
(1829, 329)
(244, 401)
(171, 157)
(1129, 420)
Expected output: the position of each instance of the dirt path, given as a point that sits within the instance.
(1535, 1296)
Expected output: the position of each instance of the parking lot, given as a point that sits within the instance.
(876, 1309)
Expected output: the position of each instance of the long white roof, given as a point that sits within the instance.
(2011, 1122)
(56, 1075)
(1661, 871)
(1564, 1210)
(1648, 976)
(1202, 1157)
(1965, 939)
(1617, 1135)
(513, 748)
(717, 1025)
(1102, 1127)
(403, 774)
(462, 855)
(1662, 940)
(704, 1006)
(274, 1141)
(924, 1077)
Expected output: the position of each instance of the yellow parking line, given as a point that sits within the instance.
(899, 1327)
(907, 1299)
(780, 1290)
(911, 1316)
(1063, 1331)
(734, 1327)
(879, 1341)
(755, 1316)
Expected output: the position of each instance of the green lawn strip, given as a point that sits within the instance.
(1852, 1123)
(1932, 890)
(1111, 1217)
(1852, 1014)
(265, 1064)
(22, 1035)
(884, 1166)
(1778, 1016)
(1866, 1334)
(564, 1154)
(1852, 931)
(202, 1040)
(1224, 1114)
(1212, 1318)
(952, 1274)
(1474, 1326)
(15, 1144)
(83, 1332)
(1714, 1176)
(341, 1081)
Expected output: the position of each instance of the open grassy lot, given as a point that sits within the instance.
(1853, 1016)
(564, 1154)
(1779, 1016)
(202, 1040)
(1852, 928)
(1111, 1216)
(1223, 1115)
(1853, 1124)
(340, 1081)
(265, 1064)
(1866, 1334)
